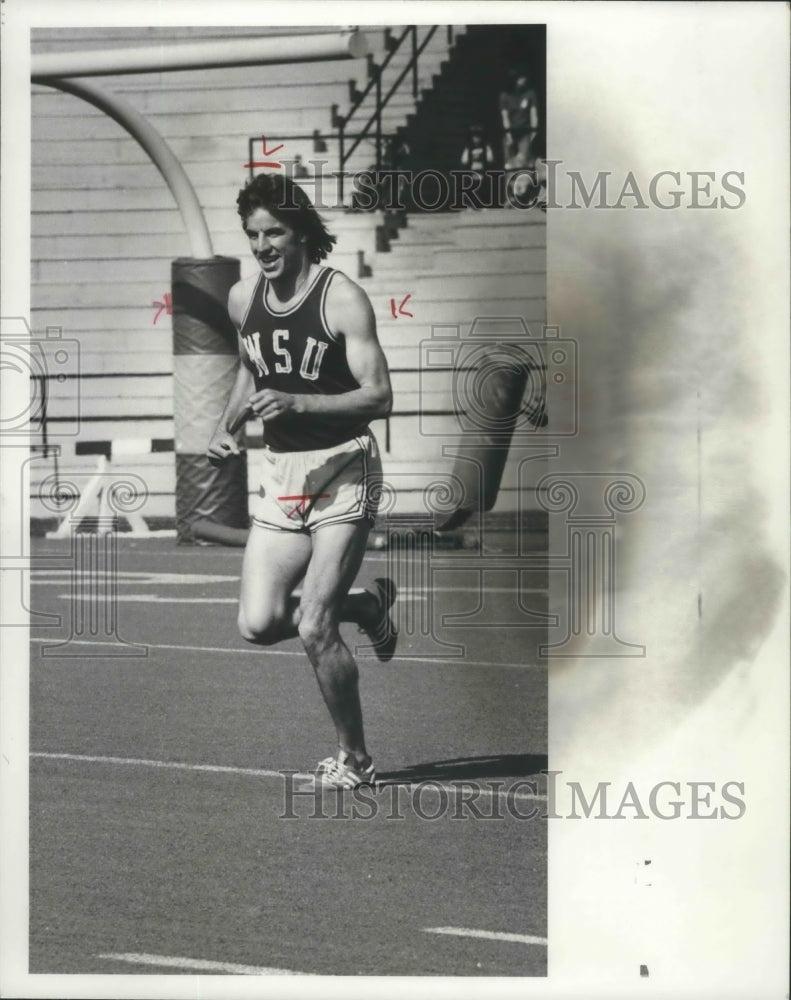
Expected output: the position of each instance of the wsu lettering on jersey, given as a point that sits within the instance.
(309, 368)
(293, 350)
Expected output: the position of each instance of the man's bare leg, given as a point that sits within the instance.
(274, 563)
(338, 551)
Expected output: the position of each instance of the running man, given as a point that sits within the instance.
(313, 370)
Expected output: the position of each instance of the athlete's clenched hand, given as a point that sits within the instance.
(221, 446)
(270, 404)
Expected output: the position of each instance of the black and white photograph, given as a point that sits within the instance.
(297, 457)
(395, 441)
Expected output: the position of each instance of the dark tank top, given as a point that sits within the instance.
(293, 351)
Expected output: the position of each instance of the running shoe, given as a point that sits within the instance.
(381, 630)
(336, 773)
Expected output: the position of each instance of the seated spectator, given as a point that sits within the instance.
(300, 170)
(477, 155)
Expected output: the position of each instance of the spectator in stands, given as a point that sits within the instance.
(319, 144)
(397, 157)
(300, 170)
(477, 155)
(397, 153)
(380, 188)
(519, 111)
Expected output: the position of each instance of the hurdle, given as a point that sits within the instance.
(95, 497)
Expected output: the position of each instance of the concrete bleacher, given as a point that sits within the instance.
(206, 116)
(455, 267)
(105, 230)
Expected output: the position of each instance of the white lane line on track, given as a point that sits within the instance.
(408, 593)
(42, 577)
(402, 596)
(154, 599)
(171, 765)
(428, 660)
(491, 935)
(199, 964)
(252, 772)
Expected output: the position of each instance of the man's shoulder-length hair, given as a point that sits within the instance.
(288, 203)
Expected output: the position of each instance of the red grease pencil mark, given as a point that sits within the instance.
(266, 152)
(401, 310)
(166, 305)
(304, 498)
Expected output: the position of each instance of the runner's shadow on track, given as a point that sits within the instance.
(459, 768)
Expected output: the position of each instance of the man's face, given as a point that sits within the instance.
(280, 252)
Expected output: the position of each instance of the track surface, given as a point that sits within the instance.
(158, 841)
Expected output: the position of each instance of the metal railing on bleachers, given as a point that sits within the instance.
(341, 122)
(384, 143)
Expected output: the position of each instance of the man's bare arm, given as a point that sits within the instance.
(223, 442)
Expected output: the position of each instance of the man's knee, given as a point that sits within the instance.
(317, 629)
(263, 630)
